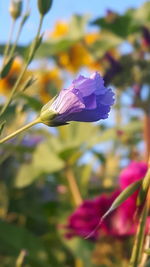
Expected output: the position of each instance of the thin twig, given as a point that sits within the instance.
(73, 186)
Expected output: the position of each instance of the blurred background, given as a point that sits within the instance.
(56, 183)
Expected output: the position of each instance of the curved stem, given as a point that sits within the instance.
(139, 239)
(73, 187)
(17, 38)
(27, 126)
(145, 255)
(9, 38)
(147, 135)
(19, 30)
(14, 89)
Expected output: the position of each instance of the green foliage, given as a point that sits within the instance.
(122, 197)
(20, 238)
(35, 199)
(44, 161)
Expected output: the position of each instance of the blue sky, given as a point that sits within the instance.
(61, 9)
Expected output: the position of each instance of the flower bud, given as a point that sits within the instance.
(44, 6)
(25, 17)
(15, 8)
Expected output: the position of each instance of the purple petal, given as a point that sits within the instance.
(90, 101)
(99, 112)
(85, 100)
(87, 86)
(107, 98)
(91, 115)
(66, 103)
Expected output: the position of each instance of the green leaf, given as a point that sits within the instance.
(6, 68)
(81, 249)
(29, 82)
(14, 239)
(32, 102)
(77, 26)
(53, 47)
(147, 251)
(122, 25)
(4, 201)
(2, 125)
(44, 160)
(142, 14)
(108, 40)
(20, 49)
(125, 194)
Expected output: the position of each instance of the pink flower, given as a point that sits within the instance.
(85, 220)
(134, 172)
(120, 223)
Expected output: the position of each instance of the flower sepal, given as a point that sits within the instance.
(48, 115)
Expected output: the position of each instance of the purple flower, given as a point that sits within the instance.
(87, 99)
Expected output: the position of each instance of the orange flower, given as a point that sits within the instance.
(49, 82)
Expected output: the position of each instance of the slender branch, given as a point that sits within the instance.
(21, 258)
(147, 135)
(19, 30)
(14, 89)
(27, 126)
(17, 38)
(139, 239)
(145, 255)
(73, 187)
(9, 39)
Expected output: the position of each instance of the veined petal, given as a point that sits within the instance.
(87, 86)
(67, 101)
(86, 99)
(88, 115)
(90, 101)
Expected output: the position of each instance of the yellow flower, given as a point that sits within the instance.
(8, 82)
(78, 56)
(49, 82)
(75, 58)
(92, 37)
(61, 29)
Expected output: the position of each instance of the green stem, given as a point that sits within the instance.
(19, 31)
(17, 38)
(27, 126)
(14, 89)
(9, 38)
(21, 258)
(139, 239)
(73, 187)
